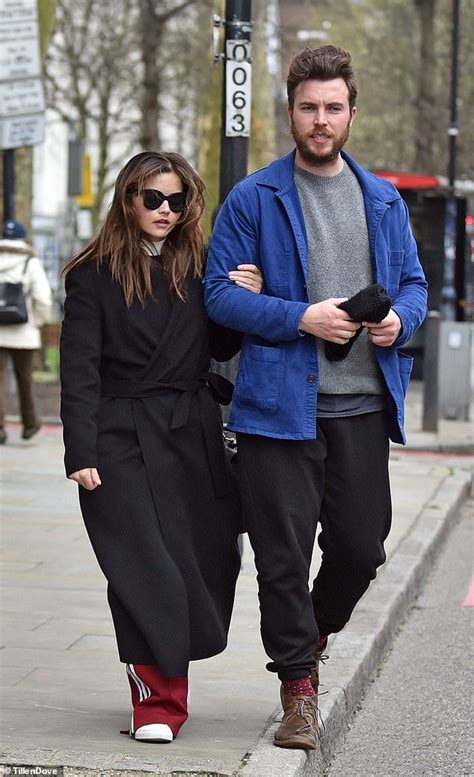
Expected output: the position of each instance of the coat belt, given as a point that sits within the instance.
(221, 389)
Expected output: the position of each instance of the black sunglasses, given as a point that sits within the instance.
(153, 199)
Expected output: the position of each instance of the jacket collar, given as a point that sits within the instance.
(279, 175)
(15, 246)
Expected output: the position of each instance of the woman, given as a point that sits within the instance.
(19, 343)
(143, 433)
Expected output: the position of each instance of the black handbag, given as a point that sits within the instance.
(13, 308)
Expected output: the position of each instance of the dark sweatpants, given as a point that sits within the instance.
(339, 479)
(23, 359)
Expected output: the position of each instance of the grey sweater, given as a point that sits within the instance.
(339, 265)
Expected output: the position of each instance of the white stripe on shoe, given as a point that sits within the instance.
(143, 689)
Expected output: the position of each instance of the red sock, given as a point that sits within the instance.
(300, 687)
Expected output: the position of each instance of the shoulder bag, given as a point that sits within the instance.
(13, 308)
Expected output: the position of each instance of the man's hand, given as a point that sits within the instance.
(327, 321)
(386, 332)
(87, 478)
(247, 276)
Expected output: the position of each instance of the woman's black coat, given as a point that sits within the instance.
(138, 403)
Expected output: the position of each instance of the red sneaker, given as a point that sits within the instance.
(159, 703)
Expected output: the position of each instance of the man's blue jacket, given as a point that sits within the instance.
(261, 222)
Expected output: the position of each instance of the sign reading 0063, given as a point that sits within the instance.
(238, 74)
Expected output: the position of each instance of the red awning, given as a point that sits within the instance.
(409, 180)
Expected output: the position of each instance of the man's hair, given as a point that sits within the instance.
(322, 64)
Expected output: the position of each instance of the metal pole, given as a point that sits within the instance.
(234, 150)
(448, 292)
(9, 184)
(235, 126)
(430, 373)
(453, 122)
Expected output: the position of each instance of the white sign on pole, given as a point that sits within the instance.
(20, 51)
(84, 229)
(21, 89)
(12, 10)
(21, 131)
(21, 97)
(238, 73)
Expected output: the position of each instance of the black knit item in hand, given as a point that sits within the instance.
(371, 304)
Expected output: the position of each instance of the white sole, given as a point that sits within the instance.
(159, 733)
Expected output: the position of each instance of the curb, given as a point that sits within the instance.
(458, 447)
(359, 650)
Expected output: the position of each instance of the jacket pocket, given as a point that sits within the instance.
(395, 262)
(260, 371)
(277, 275)
(405, 365)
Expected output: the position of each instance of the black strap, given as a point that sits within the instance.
(26, 265)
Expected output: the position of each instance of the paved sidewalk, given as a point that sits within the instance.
(452, 436)
(64, 694)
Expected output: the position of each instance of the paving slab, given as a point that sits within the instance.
(61, 678)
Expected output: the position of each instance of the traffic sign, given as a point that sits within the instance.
(21, 90)
(21, 97)
(238, 73)
(19, 131)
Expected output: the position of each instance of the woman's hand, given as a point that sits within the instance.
(247, 276)
(87, 478)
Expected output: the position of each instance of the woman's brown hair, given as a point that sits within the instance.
(120, 239)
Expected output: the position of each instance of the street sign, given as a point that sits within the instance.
(20, 51)
(21, 90)
(20, 131)
(238, 73)
(21, 97)
(235, 125)
(12, 10)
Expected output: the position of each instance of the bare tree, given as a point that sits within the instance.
(426, 89)
(153, 17)
(106, 71)
(402, 55)
(187, 74)
(262, 146)
(91, 78)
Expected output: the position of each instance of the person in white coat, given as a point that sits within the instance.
(19, 342)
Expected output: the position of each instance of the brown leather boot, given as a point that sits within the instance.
(318, 655)
(299, 727)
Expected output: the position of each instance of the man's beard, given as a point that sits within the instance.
(312, 157)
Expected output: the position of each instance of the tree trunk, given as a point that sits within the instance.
(151, 34)
(262, 146)
(103, 160)
(426, 93)
(47, 22)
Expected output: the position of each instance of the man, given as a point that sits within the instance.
(313, 434)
